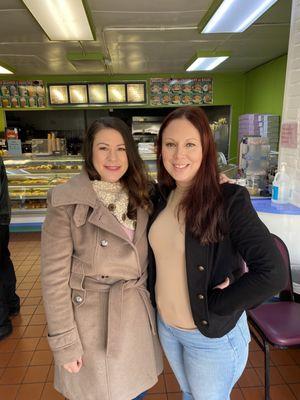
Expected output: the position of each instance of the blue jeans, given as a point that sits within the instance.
(140, 396)
(206, 368)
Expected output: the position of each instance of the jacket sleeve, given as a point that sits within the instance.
(251, 238)
(56, 256)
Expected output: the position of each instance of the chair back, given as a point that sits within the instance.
(286, 293)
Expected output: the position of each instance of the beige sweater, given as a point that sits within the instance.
(167, 239)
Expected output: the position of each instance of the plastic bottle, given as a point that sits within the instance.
(281, 186)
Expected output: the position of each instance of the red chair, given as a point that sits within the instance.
(277, 323)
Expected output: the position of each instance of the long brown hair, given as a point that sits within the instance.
(202, 205)
(135, 179)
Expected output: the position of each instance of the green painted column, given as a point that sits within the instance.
(2, 120)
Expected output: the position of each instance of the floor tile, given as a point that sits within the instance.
(275, 377)
(8, 345)
(40, 309)
(160, 396)
(167, 368)
(35, 293)
(42, 358)
(36, 374)
(290, 373)
(20, 359)
(236, 394)
(50, 376)
(281, 392)
(174, 396)
(254, 393)
(295, 387)
(249, 378)
(17, 332)
(4, 359)
(30, 391)
(43, 344)
(34, 331)
(21, 320)
(159, 387)
(32, 301)
(171, 383)
(8, 392)
(27, 310)
(253, 346)
(27, 344)
(12, 375)
(49, 393)
(22, 292)
(282, 357)
(295, 354)
(257, 359)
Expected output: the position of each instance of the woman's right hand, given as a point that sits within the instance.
(223, 285)
(74, 366)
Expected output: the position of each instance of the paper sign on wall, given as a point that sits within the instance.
(288, 135)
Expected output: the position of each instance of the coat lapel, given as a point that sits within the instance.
(103, 219)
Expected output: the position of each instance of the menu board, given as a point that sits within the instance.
(116, 92)
(181, 91)
(22, 94)
(136, 93)
(78, 94)
(97, 93)
(58, 94)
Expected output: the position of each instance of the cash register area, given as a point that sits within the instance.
(26, 363)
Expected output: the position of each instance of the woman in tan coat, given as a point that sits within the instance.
(94, 258)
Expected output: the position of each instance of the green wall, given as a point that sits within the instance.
(2, 120)
(265, 87)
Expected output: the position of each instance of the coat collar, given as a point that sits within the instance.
(78, 191)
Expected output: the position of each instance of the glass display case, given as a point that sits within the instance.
(29, 179)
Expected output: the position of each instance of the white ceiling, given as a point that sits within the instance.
(140, 36)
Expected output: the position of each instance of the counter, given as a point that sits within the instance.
(284, 221)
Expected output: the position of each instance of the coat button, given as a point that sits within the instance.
(104, 243)
(204, 322)
(200, 296)
(78, 299)
(111, 207)
(201, 268)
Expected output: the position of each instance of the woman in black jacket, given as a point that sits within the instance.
(198, 233)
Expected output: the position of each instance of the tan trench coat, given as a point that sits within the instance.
(96, 302)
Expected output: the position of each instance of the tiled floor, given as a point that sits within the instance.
(26, 368)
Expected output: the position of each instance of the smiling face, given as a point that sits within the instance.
(181, 151)
(109, 155)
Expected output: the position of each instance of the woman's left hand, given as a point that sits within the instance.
(223, 285)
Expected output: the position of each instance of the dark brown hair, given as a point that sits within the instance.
(202, 205)
(135, 179)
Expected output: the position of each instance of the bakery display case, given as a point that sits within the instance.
(29, 179)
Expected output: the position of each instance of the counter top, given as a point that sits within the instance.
(266, 206)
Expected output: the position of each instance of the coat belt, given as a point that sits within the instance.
(115, 304)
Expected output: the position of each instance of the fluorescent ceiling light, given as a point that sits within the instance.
(61, 19)
(5, 70)
(206, 62)
(236, 15)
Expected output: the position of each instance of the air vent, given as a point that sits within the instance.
(87, 62)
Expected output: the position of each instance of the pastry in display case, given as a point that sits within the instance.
(29, 179)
